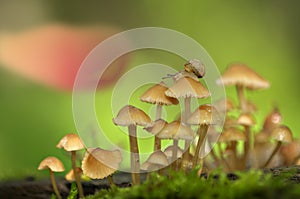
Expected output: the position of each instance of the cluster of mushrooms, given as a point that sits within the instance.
(234, 146)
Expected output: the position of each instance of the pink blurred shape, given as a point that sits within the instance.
(52, 54)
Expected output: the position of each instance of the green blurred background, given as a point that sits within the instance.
(261, 33)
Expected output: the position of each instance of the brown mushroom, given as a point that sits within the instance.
(187, 88)
(131, 116)
(72, 142)
(70, 176)
(241, 76)
(203, 116)
(282, 134)
(54, 165)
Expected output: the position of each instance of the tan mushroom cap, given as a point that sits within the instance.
(99, 163)
(130, 115)
(156, 95)
(51, 163)
(246, 119)
(176, 130)
(70, 175)
(262, 137)
(187, 87)
(204, 114)
(232, 134)
(282, 134)
(70, 142)
(291, 151)
(156, 126)
(241, 74)
(272, 120)
(169, 151)
(182, 74)
(155, 161)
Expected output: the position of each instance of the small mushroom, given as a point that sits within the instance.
(204, 116)
(70, 176)
(54, 165)
(291, 152)
(131, 116)
(169, 152)
(72, 142)
(272, 120)
(156, 161)
(247, 121)
(99, 163)
(187, 88)
(282, 134)
(241, 76)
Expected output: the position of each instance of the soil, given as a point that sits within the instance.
(30, 188)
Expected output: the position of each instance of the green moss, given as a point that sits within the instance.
(253, 184)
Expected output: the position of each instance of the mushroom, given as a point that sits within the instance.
(176, 131)
(203, 116)
(156, 95)
(169, 152)
(272, 120)
(131, 116)
(99, 163)
(241, 76)
(72, 142)
(231, 136)
(282, 134)
(291, 152)
(247, 120)
(54, 165)
(187, 88)
(156, 161)
(70, 176)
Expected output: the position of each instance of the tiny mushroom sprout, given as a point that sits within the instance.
(282, 134)
(157, 160)
(156, 95)
(187, 88)
(241, 76)
(72, 142)
(131, 116)
(99, 163)
(54, 165)
(203, 116)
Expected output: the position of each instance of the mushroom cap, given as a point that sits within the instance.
(70, 175)
(187, 87)
(155, 161)
(272, 120)
(282, 134)
(196, 67)
(241, 74)
(176, 130)
(51, 163)
(156, 126)
(204, 114)
(99, 163)
(182, 74)
(156, 95)
(70, 142)
(232, 134)
(291, 151)
(169, 151)
(246, 119)
(130, 115)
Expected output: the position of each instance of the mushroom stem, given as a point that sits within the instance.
(242, 99)
(76, 175)
(110, 181)
(235, 155)
(202, 131)
(187, 143)
(134, 151)
(213, 154)
(174, 154)
(222, 157)
(54, 185)
(279, 143)
(157, 141)
(247, 145)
